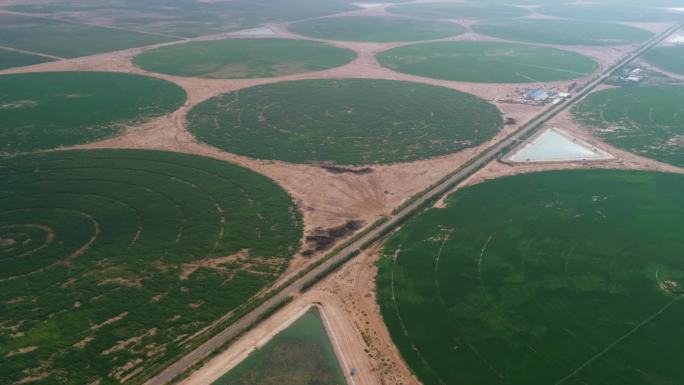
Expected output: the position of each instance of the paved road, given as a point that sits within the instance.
(458, 176)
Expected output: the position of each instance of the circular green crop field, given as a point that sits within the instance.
(243, 58)
(104, 246)
(40, 111)
(610, 12)
(669, 58)
(647, 121)
(351, 121)
(376, 29)
(487, 62)
(571, 277)
(459, 10)
(566, 32)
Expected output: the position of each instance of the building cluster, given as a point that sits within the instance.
(632, 75)
(541, 96)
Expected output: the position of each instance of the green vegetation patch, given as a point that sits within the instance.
(487, 62)
(609, 12)
(646, 120)
(11, 59)
(64, 39)
(351, 121)
(571, 277)
(376, 29)
(459, 10)
(187, 18)
(669, 58)
(299, 355)
(112, 260)
(46, 110)
(243, 58)
(566, 32)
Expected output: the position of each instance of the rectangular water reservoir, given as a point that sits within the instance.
(553, 145)
(257, 32)
(301, 354)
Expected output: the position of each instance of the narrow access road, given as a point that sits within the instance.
(459, 175)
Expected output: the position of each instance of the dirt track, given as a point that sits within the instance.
(327, 199)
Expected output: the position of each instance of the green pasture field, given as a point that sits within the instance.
(567, 278)
(487, 62)
(11, 59)
(565, 32)
(47, 110)
(243, 58)
(65, 39)
(352, 121)
(484, 11)
(610, 12)
(376, 29)
(669, 58)
(112, 259)
(302, 354)
(187, 18)
(645, 120)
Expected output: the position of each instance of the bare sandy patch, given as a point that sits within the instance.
(21, 351)
(188, 268)
(246, 261)
(19, 104)
(653, 27)
(84, 342)
(20, 299)
(7, 242)
(134, 282)
(109, 321)
(126, 371)
(29, 379)
(127, 344)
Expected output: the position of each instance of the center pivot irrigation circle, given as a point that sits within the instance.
(487, 62)
(565, 32)
(566, 278)
(129, 245)
(243, 58)
(46, 110)
(352, 121)
(376, 29)
(459, 11)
